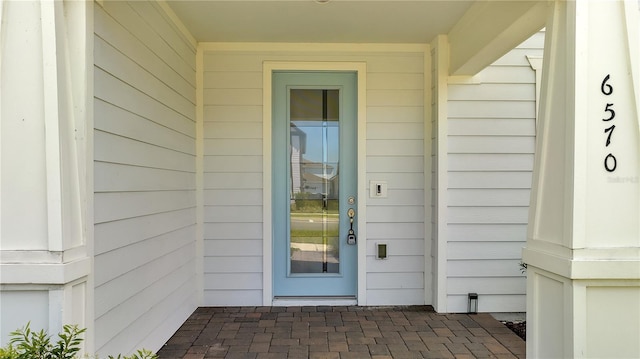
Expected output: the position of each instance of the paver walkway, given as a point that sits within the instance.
(340, 333)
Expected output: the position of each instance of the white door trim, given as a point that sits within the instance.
(268, 68)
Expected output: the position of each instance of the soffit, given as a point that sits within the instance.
(307, 21)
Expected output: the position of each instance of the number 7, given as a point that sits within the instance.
(610, 130)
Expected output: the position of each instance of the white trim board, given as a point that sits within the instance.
(313, 301)
(310, 48)
(268, 68)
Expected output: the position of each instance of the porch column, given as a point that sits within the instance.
(46, 220)
(583, 245)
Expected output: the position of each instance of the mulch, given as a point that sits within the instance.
(520, 328)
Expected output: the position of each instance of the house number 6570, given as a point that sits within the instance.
(610, 161)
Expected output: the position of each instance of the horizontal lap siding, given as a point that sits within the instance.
(144, 137)
(232, 186)
(395, 154)
(491, 141)
(233, 173)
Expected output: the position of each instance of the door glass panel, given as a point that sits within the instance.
(313, 163)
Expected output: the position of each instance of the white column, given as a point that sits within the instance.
(583, 246)
(45, 163)
(439, 168)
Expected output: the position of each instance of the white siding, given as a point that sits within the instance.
(13, 313)
(491, 140)
(232, 185)
(144, 177)
(233, 173)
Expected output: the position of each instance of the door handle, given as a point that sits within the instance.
(351, 235)
(351, 213)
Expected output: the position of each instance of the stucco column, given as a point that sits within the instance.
(583, 246)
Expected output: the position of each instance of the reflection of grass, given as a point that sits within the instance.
(310, 214)
(331, 240)
(306, 205)
(312, 227)
(310, 236)
(316, 212)
(314, 216)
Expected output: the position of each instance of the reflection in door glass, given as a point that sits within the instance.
(314, 152)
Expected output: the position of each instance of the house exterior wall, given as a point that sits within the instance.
(145, 179)
(47, 269)
(45, 161)
(490, 148)
(154, 154)
(233, 168)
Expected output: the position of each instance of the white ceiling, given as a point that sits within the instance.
(338, 21)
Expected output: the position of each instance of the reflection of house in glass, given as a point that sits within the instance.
(314, 135)
(319, 178)
(309, 176)
(297, 149)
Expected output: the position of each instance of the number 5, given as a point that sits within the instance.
(611, 111)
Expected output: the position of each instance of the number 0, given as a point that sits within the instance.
(607, 166)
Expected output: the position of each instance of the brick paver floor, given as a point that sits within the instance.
(340, 333)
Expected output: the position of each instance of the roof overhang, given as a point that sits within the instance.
(480, 31)
(490, 29)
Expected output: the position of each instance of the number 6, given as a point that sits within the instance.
(605, 87)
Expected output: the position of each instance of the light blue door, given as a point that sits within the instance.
(314, 184)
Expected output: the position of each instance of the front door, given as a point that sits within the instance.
(314, 184)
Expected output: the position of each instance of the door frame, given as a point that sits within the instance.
(268, 67)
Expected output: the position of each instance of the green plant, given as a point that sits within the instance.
(140, 354)
(8, 353)
(28, 344)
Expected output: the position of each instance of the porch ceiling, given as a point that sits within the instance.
(479, 31)
(309, 21)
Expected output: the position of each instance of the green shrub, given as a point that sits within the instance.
(8, 353)
(140, 354)
(28, 344)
